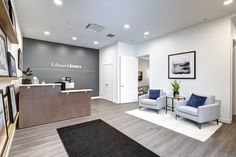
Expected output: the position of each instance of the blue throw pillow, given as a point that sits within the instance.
(196, 101)
(154, 94)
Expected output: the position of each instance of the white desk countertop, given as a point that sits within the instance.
(76, 90)
(57, 84)
(47, 84)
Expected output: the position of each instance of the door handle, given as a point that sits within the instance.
(106, 84)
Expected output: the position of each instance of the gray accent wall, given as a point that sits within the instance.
(52, 61)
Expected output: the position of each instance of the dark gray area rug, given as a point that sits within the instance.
(98, 139)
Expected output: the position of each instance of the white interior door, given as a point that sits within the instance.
(128, 79)
(107, 82)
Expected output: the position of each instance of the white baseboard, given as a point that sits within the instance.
(96, 97)
(225, 120)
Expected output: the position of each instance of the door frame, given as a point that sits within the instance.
(102, 83)
(233, 99)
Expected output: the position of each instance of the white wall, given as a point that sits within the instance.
(212, 44)
(233, 33)
(123, 50)
(111, 55)
(234, 81)
(13, 48)
(108, 55)
(143, 65)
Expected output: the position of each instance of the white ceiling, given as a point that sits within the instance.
(159, 17)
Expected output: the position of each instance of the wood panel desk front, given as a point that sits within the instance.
(42, 104)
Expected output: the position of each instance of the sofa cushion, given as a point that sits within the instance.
(188, 110)
(149, 102)
(196, 101)
(154, 94)
(210, 100)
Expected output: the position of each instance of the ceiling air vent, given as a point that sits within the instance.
(94, 27)
(110, 35)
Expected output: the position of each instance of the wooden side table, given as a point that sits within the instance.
(172, 101)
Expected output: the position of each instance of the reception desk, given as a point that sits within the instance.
(42, 104)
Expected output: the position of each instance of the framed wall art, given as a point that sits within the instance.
(12, 102)
(3, 125)
(11, 65)
(6, 5)
(3, 55)
(140, 76)
(20, 59)
(182, 65)
(6, 108)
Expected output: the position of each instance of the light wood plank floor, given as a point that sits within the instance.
(43, 141)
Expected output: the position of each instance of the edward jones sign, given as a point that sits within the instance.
(67, 65)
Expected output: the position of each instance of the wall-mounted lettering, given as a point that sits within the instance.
(68, 65)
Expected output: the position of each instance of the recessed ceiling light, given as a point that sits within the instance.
(46, 32)
(146, 33)
(228, 2)
(74, 38)
(58, 2)
(95, 42)
(126, 26)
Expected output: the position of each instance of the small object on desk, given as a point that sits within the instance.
(42, 82)
(68, 78)
(172, 97)
(69, 83)
(35, 80)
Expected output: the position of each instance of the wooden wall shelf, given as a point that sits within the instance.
(7, 79)
(6, 25)
(11, 133)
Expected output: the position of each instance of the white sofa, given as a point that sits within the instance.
(157, 104)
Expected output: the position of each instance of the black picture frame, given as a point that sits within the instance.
(140, 76)
(12, 15)
(185, 68)
(12, 103)
(4, 72)
(6, 108)
(3, 125)
(11, 65)
(20, 59)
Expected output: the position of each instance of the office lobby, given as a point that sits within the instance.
(127, 78)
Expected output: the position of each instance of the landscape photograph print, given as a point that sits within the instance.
(3, 55)
(182, 65)
(12, 102)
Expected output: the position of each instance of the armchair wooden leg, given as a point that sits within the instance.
(217, 121)
(199, 125)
